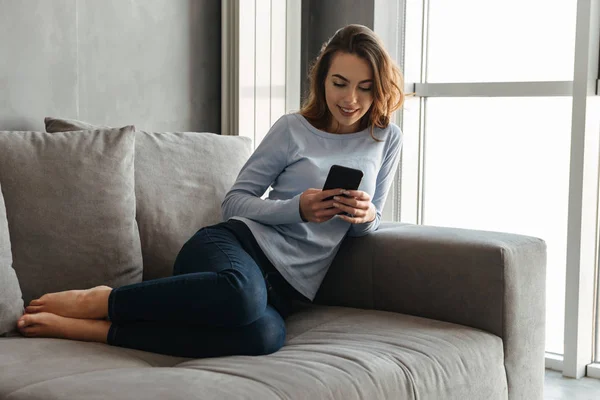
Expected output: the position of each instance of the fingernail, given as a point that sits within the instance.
(345, 192)
(336, 205)
(336, 198)
(21, 323)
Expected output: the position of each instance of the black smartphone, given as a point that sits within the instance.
(341, 177)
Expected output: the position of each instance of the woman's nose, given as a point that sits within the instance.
(350, 97)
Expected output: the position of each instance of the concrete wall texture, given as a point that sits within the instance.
(155, 64)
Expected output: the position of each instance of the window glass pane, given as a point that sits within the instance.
(501, 41)
(502, 164)
(413, 39)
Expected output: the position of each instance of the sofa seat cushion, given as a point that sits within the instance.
(331, 353)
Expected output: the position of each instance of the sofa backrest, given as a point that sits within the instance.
(180, 181)
(181, 178)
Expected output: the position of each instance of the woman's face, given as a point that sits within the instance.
(348, 91)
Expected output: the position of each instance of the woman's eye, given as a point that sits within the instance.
(344, 85)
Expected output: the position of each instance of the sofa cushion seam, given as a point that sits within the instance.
(66, 376)
(352, 310)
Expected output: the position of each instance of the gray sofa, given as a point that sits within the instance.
(408, 312)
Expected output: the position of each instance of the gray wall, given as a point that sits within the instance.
(152, 63)
(321, 19)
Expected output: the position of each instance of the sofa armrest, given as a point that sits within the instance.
(487, 280)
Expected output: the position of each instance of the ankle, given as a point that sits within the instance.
(102, 300)
(96, 300)
(99, 331)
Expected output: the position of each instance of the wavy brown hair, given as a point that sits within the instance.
(388, 82)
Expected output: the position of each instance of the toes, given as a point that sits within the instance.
(33, 309)
(23, 322)
(29, 331)
(28, 320)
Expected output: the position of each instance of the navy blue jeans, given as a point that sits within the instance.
(215, 304)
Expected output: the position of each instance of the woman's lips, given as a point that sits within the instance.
(347, 112)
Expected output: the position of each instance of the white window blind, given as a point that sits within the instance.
(260, 64)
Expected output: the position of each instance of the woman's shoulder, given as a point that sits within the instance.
(289, 122)
(289, 127)
(297, 124)
(391, 133)
(282, 123)
(288, 117)
(395, 128)
(295, 119)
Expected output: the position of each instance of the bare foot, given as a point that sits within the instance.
(86, 304)
(45, 324)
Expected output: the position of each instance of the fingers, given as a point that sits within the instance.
(358, 195)
(355, 212)
(329, 193)
(351, 202)
(327, 212)
(320, 205)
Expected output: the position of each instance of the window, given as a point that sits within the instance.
(503, 135)
(500, 41)
(501, 164)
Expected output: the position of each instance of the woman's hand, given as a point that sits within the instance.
(313, 208)
(357, 204)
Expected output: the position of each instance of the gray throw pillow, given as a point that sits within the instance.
(181, 178)
(67, 125)
(11, 303)
(70, 202)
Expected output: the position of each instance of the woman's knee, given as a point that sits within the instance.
(267, 334)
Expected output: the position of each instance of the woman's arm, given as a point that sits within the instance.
(384, 182)
(262, 168)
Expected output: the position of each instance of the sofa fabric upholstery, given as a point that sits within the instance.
(67, 125)
(11, 303)
(487, 280)
(330, 353)
(70, 202)
(406, 312)
(181, 178)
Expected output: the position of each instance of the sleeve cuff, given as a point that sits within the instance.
(295, 209)
(357, 230)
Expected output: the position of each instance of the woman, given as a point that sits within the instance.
(233, 283)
